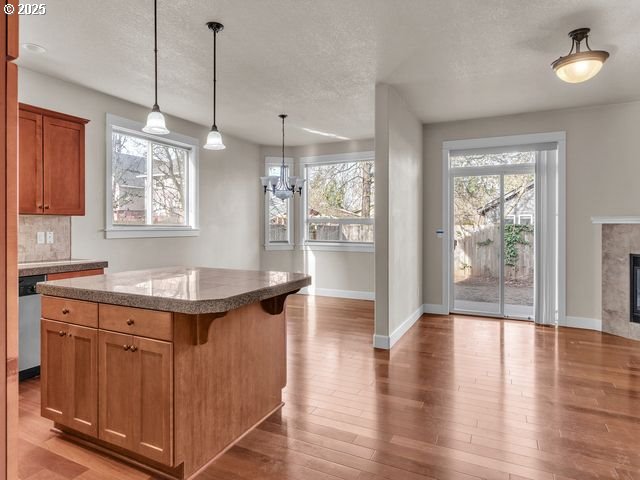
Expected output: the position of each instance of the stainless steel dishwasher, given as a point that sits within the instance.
(29, 326)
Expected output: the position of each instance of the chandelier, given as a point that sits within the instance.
(282, 186)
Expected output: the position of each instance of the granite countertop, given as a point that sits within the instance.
(59, 266)
(179, 289)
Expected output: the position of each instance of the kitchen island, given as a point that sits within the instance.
(165, 368)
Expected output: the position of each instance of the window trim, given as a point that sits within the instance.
(318, 245)
(527, 216)
(191, 229)
(289, 244)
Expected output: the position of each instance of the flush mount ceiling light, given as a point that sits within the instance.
(282, 186)
(214, 139)
(34, 48)
(155, 120)
(579, 66)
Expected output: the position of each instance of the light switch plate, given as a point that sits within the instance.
(49, 237)
(40, 238)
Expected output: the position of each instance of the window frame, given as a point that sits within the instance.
(289, 243)
(118, 124)
(527, 216)
(305, 243)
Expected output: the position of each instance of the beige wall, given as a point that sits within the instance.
(348, 271)
(229, 191)
(602, 167)
(399, 204)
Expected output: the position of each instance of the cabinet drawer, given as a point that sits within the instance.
(70, 311)
(76, 274)
(136, 321)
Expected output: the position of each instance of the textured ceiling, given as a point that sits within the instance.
(319, 60)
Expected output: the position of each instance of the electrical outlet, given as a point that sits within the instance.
(49, 237)
(40, 238)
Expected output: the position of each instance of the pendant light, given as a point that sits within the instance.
(282, 186)
(214, 139)
(155, 120)
(579, 66)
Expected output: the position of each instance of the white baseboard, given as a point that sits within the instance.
(435, 309)
(582, 322)
(381, 341)
(386, 342)
(329, 292)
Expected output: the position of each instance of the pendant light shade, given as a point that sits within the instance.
(579, 66)
(156, 124)
(214, 139)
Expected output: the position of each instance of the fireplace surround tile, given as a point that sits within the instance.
(619, 241)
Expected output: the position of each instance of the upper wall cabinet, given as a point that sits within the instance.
(51, 162)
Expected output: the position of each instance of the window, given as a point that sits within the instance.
(278, 226)
(339, 201)
(151, 182)
(525, 219)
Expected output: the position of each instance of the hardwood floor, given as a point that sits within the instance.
(457, 398)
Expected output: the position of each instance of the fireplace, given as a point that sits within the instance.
(635, 288)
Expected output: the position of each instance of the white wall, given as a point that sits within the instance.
(399, 204)
(603, 168)
(341, 273)
(229, 190)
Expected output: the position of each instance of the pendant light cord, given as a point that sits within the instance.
(155, 46)
(215, 34)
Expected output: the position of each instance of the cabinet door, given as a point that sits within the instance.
(30, 164)
(116, 392)
(54, 372)
(63, 153)
(153, 435)
(83, 380)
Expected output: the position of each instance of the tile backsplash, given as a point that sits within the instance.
(28, 248)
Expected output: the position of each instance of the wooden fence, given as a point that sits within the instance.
(477, 256)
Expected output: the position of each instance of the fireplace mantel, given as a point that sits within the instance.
(617, 220)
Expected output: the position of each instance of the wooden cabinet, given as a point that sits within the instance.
(116, 391)
(153, 394)
(51, 162)
(76, 274)
(31, 199)
(136, 395)
(69, 375)
(173, 390)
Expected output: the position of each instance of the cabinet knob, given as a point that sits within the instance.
(65, 311)
(133, 349)
(126, 347)
(40, 206)
(130, 322)
(61, 333)
(46, 207)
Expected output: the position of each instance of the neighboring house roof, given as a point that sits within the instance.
(495, 203)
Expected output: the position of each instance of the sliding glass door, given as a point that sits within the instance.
(476, 245)
(493, 221)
